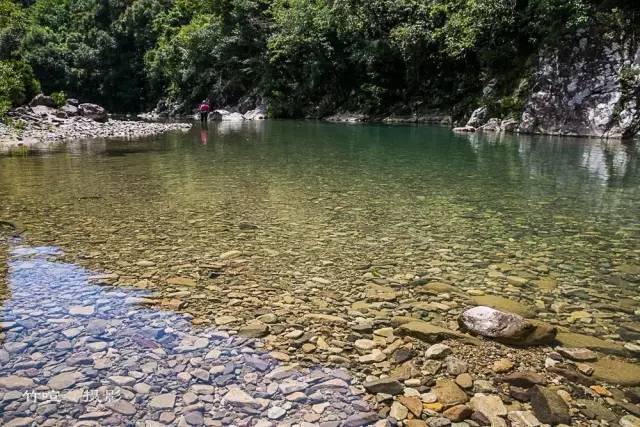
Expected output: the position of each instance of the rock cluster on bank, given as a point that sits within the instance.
(42, 122)
(247, 108)
(589, 86)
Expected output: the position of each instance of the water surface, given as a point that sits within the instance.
(309, 216)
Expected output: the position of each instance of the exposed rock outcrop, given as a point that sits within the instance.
(478, 117)
(93, 112)
(259, 113)
(346, 117)
(588, 86)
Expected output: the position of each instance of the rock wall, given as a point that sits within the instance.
(589, 86)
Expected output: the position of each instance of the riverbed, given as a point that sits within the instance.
(308, 244)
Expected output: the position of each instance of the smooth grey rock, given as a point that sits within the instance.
(238, 397)
(163, 401)
(276, 412)
(14, 382)
(505, 327)
(63, 380)
(438, 351)
(384, 385)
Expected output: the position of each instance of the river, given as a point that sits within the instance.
(302, 236)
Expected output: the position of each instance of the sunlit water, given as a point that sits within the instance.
(307, 200)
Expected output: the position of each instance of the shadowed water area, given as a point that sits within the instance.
(301, 238)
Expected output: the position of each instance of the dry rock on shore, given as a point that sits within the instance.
(42, 122)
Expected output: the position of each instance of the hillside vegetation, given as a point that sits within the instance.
(307, 57)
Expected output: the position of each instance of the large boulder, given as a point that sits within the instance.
(43, 111)
(478, 117)
(70, 110)
(225, 116)
(493, 125)
(508, 328)
(93, 112)
(233, 117)
(260, 113)
(41, 99)
(505, 304)
(509, 125)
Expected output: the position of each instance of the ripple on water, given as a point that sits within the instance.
(75, 351)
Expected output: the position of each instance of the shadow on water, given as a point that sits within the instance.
(76, 350)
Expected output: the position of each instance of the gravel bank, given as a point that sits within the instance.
(41, 126)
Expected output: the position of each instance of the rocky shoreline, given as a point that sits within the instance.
(43, 123)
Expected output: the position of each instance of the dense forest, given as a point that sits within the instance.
(307, 57)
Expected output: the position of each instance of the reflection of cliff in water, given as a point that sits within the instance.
(611, 162)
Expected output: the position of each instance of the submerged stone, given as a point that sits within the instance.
(427, 332)
(384, 385)
(616, 372)
(449, 393)
(548, 406)
(574, 340)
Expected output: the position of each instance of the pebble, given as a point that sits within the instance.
(163, 401)
(398, 411)
(502, 365)
(438, 351)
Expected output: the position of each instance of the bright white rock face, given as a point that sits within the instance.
(493, 323)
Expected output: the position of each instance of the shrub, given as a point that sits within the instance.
(60, 98)
(17, 84)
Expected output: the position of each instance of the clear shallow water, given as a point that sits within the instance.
(95, 354)
(396, 182)
(318, 212)
(420, 196)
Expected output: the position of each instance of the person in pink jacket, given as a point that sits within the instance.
(204, 110)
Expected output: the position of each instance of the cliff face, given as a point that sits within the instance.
(589, 86)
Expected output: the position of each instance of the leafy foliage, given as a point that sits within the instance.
(17, 84)
(309, 57)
